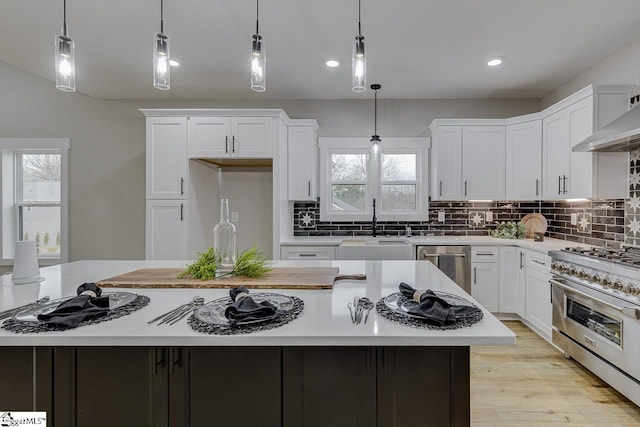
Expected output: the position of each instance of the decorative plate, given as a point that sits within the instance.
(30, 314)
(400, 304)
(534, 223)
(213, 312)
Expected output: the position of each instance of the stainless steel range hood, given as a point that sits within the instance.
(622, 134)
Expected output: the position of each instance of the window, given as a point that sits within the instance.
(34, 196)
(351, 177)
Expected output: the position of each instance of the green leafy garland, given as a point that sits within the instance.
(250, 263)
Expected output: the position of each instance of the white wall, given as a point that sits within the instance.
(250, 194)
(622, 67)
(107, 158)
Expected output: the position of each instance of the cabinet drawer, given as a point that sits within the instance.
(539, 262)
(308, 252)
(484, 254)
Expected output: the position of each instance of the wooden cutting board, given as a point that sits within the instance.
(278, 278)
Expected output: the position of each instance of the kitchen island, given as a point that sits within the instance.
(318, 370)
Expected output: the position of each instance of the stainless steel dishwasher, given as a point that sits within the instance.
(462, 257)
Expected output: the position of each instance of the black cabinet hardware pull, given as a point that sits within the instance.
(181, 211)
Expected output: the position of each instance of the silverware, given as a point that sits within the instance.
(8, 313)
(358, 308)
(194, 305)
(169, 314)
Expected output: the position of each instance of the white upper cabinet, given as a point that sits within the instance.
(568, 174)
(467, 161)
(302, 159)
(446, 163)
(167, 158)
(524, 161)
(483, 150)
(220, 137)
(209, 137)
(166, 229)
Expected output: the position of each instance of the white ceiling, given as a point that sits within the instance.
(415, 48)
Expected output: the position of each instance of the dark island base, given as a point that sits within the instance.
(239, 386)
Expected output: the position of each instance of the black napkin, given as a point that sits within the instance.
(245, 309)
(434, 308)
(72, 312)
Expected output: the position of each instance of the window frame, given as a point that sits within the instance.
(10, 177)
(390, 145)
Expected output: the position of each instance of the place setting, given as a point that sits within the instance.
(428, 309)
(90, 306)
(243, 312)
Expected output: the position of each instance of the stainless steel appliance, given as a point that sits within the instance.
(462, 256)
(596, 312)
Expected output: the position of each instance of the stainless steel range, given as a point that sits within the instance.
(596, 312)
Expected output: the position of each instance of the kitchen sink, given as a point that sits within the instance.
(383, 248)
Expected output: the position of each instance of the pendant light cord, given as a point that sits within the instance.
(161, 16)
(359, 27)
(64, 17)
(257, 19)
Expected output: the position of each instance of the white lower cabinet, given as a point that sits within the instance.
(166, 229)
(510, 284)
(485, 277)
(308, 252)
(538, 293)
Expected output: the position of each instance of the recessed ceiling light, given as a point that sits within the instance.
(494, 62)
(174, 63)
(332, 63)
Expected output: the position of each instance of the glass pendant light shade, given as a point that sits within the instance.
(161, 68)
(258, 64)
(375, 138)
(65, 62)
(359, 65)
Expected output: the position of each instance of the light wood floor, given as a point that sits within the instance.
(532, 384)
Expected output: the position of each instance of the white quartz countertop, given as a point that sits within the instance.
(547, 245)
(325, 320)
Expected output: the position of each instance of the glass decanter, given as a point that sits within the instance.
(224, 238)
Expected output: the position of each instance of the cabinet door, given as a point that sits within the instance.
(251, 137)
(524, 161)
(509, 285)
(446, 163)
(129, 383)
(167, 158)
(522, 283)
(26, 374)
(166, 229)
(556, 155)
(580, 182)
(301, 160)
(233, 386)
(538, 300)
(485, 284)
(483, 150)
(329, 386)
(420, 386)
(209, 137)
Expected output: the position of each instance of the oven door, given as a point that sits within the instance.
(598, 322)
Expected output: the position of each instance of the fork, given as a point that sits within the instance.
(171, 313)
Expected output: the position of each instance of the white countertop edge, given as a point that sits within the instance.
(252, 340)
(549, 244)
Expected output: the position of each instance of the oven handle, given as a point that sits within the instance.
(628, 311)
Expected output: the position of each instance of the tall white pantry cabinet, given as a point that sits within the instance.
(185, 149)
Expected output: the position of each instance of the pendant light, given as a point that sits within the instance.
(258, 59)
(161, 66)
(359, 61)
(375, 138)
(65, 57)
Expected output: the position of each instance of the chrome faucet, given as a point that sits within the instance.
(373, 221)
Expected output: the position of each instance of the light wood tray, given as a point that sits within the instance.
(278, 278)
(534, 223)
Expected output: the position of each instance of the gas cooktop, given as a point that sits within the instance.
(629, 256)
